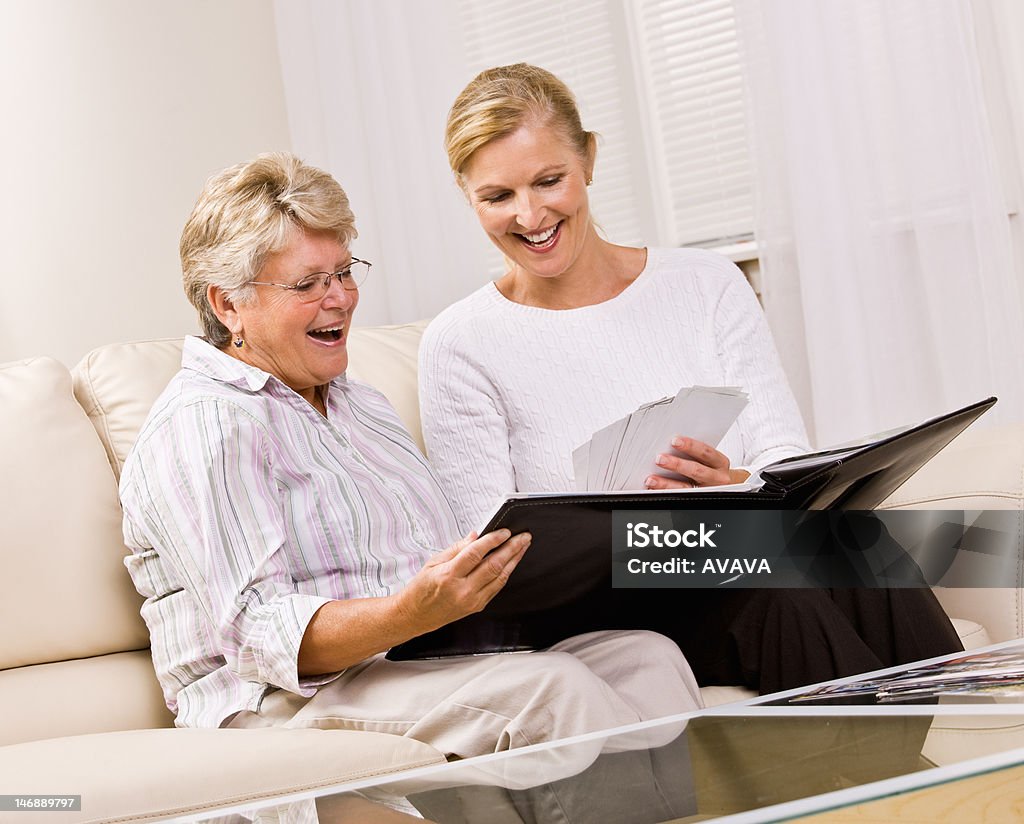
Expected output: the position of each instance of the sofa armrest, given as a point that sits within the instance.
(983, 469)
(154, 774)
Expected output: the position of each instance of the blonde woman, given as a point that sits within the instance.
(579, 332)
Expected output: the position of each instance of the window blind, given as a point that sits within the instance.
(689, 59)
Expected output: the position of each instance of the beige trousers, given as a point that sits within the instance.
(473, 705)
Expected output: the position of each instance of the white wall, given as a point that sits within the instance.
(368, 85)
(1006, 78)
(114, 113)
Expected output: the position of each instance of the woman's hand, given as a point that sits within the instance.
(703, 466)
(454, 583)
(462, 579)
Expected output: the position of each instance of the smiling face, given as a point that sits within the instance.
(303, 344)
(529, 190)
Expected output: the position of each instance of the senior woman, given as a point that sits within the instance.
(285, 531)
(581, 331)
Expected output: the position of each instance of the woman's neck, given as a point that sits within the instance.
(600, 273)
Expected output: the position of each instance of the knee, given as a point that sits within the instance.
(654, 644)
(657, 658)
(625, 643)
(624, 657)
(553, 679)
(643, 645)
(550, 668)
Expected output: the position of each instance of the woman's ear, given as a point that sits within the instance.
(224, 308)
(591, 158)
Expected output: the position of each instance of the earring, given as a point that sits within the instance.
(239, 343)
(590, 180)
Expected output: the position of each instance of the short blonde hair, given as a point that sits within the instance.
(248, 212)
(500, 100)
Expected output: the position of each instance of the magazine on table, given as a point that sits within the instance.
(993, 673)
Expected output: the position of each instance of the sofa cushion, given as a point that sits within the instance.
(152, 774)
(387, 358)
(66, 594)
(118, 384)
(101, 694)
(972, 634)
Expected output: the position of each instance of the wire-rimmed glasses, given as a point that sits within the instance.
(314, 287)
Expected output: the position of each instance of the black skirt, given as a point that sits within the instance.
(776, 639)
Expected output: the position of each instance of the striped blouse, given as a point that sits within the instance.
(245, 511)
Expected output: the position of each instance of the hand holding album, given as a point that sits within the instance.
(621, 455)
(563, 583)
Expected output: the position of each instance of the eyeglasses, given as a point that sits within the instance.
(314, 287)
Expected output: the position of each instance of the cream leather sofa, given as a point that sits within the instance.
(80, 708)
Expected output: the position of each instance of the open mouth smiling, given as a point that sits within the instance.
(542, 240)
(328, 334)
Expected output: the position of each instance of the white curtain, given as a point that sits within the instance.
(368, 85)
(883, 232)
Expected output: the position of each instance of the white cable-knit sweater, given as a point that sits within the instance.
(508, 391)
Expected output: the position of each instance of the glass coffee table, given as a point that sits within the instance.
(942, 732)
